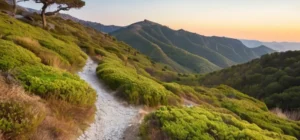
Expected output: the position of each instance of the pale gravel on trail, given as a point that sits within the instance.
(112, 116)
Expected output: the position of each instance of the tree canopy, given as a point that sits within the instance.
(62, 5)
(275, 78)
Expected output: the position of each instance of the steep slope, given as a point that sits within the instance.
(220, 51)
(164, 52)
(273, 78)
(41, 65)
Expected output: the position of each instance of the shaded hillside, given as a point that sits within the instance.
(261, 50)
(274, 78)
(181, 46)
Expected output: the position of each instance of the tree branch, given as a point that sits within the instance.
(57, 11)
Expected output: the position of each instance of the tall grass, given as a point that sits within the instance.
(293, 115)
(20, 113)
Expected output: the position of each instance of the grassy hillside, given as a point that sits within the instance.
(44, 99)
(42, 63)
(221, 115)
(273, 78)
(205, 54)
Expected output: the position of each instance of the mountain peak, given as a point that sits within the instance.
(148, 22)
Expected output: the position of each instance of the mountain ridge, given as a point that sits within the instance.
(96, 25)
(220, 51)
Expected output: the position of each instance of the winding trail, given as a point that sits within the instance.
(112, 116)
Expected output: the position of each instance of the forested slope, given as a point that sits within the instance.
(273, 78)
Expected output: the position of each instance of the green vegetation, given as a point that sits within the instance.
(224, 113)
(56, 103)
(20, 114)
(4, 6)
(135, 88)
(22, 34)
(273, 78)
(49, 82)
(176, 48)
(43, 63)
(202, 123)
(13, 56)
(43, 80)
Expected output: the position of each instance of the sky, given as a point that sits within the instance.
(265, 20)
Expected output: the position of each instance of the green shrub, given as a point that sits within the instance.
(47, 56)
(13, 56)
(17, 119)
(202, 123)
(136, 89)
(256, 112)
(50, 82)
(68, 50)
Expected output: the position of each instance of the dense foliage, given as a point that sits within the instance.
(176, 48)
(202, 123)
(274, 78)
(43, 80)
(49, 82)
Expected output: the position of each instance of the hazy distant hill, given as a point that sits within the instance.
(189, 50)
(278, 46)
(95, 25)
(261, 50)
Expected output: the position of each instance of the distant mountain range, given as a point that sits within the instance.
(184, 51)
(187, 51)
(278, 46)
(98, 26)
(95, 25)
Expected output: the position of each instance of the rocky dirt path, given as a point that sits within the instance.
(112, 117)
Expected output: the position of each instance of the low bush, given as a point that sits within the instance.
(47, 56)
(136, 88)
(202, 123)
(13, 56)
(66, 49)
(50, 82)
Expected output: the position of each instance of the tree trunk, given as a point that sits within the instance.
(14, 7)
(43, 15)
